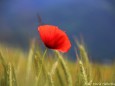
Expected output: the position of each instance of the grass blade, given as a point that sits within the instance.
(66, 71)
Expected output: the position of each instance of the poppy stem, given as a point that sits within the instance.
(37, 78)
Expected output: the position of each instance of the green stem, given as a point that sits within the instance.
(65, 68)
(37, 78)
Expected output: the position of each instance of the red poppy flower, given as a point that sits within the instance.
(54, 38)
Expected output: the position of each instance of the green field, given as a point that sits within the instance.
(42, 68)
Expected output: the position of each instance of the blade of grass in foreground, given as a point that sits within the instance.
(5, 69)
(60, 78)
(11, 78)
(54, 67)
(66, 71)
(37, 62)
(29, 62)
(39, 73)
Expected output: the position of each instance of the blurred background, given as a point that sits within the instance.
(93, 19)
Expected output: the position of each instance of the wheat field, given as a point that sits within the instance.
(38, 67)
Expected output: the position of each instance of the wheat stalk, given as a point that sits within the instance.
(29, 62)
(11, 78)
(66, 71)
(37, 77)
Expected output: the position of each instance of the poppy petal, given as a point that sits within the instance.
(54, 38)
